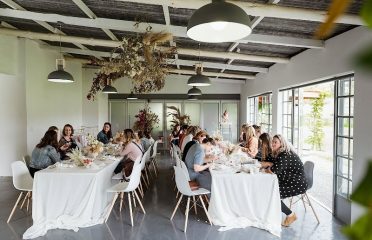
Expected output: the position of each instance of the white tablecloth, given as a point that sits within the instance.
(70, 198)
(239, 200)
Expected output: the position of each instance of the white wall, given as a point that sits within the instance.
(316, 64)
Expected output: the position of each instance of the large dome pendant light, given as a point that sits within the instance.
(132, 96)
(60, 76)
(219, 21)
(199, 80)
(108, 88)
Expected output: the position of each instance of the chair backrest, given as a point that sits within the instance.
(155, 149)
(184, 169)
(177, 150)
(135, 178)
(182, 182)
(27, 160)
(146, 156)
(22, 179)
(309, 173)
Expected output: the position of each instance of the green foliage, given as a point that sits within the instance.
(362, 228)
(316, 122)
(366, 12)
(177, 117)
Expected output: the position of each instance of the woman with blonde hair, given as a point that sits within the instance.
(288, 167)
(251, 147)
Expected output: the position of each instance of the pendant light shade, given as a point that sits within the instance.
(60, 75)
(219, 21)
(194, 91)
(199, 80)
(109, 89)
(131, 96)
(192, 97)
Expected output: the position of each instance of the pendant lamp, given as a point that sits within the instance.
(219, 21)
(194, 91)
(109, 89)
(199, 80)
(131, 96)
(192, 97)
(60, 75)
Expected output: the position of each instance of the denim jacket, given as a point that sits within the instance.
(43, 157)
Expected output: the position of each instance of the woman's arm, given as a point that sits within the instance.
(54, 155)
(280, 163)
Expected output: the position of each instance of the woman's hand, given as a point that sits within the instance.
(268, 171)
(64, 147)
(266, 164)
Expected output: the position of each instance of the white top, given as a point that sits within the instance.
(185, 140)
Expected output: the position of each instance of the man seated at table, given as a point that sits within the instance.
(198, 163)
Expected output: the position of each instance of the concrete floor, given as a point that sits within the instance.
(159, 202)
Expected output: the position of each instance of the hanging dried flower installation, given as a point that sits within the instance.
(139, 58)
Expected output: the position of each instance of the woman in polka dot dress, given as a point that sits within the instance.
(287, 165)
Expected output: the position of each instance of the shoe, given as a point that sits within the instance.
(289, 220)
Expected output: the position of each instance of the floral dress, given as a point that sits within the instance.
(290, 172)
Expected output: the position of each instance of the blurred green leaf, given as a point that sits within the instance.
(363, 193)
(361, 229)
(366, 12)
(364, 58)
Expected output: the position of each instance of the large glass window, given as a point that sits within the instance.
(344, 135)
(260, 111)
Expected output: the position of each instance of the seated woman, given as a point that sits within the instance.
(145, 142)
(198, 163)
(257, 130)
(130, 152)
(243, 137)
(251, 147)
(190, 133)
(67, 141)
(288, 167)
(174, 136)
(45, 153)
(264, 149)
(105, 136)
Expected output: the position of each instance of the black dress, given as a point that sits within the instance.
(290, 171)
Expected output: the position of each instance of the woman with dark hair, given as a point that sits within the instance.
(174, 137)
(191, 132)
(67, 141)
(130, 152)
(288, 167)
(264, 148)
(105, 136)
(45, 153)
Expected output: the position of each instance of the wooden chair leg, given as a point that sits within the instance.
(134, 201)
(311, 205)
(177, 194)
(175, 209)
(130, 209)
(303, 202)
(141, 189)
(15, 206)
(111, 206)
(194, 200)
(147, 176)
(121, 200)
(28, 200)
(205, 209)
(153, 165)
(290, 202)
(143, 179)
(24, 200)
(139, 202)
(187, 213)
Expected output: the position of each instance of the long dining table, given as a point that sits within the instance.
(240, 199)
(70, 197)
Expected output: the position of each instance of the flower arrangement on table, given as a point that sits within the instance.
(139, 58)
(79, 159)
(146, 120)
(94, 147)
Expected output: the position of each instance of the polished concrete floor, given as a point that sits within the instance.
(159, 202)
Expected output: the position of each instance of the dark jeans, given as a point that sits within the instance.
(285, 209)
(33, 171)
(204, 179)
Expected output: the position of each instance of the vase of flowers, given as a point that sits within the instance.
(146, 120)
(94, 147)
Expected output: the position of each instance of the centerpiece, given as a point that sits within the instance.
(93, 148)
(79, 159)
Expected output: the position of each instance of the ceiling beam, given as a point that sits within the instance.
(83, 7)
(177, 31)
(182, 62)
(112, 43)
(167, 23)
(44, 24)
(212, 74)
(259, 9)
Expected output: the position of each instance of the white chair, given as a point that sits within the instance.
(153, 156)
(127, 187)
(184, 187)
(22, 181)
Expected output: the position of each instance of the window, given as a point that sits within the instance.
(344, 135)
(290, 116)
(260, 111)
